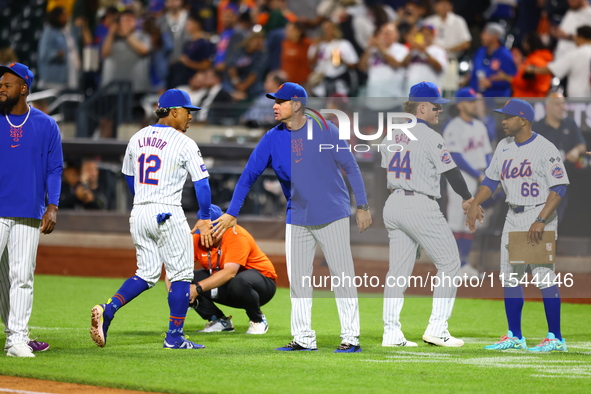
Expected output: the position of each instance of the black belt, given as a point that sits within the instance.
(411, 193)
(521, 208)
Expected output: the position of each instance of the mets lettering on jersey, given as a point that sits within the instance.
(527, 171)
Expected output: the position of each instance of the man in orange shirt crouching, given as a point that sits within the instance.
(235, 273)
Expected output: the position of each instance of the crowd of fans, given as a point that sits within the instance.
(227, 53)
(373, 48)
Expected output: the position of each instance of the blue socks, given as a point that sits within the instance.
(130, 289)
(551, 296)
(464, 242)
(514, 301)
(178, 302)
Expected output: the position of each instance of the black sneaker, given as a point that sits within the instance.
(294, 346)
(347, 348)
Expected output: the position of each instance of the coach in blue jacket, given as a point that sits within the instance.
(318, 209)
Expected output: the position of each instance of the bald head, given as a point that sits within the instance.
(555, 106)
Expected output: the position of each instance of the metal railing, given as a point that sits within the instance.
(112, 102)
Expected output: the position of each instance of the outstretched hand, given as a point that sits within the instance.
(223, 223)
(205, 229)
(473, 213)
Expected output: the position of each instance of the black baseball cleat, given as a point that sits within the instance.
(348, 348)
(294, 346)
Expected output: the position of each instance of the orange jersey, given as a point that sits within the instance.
(238, 248)
(294, 60)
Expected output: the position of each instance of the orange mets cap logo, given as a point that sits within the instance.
(12, 65)
(280, 87)
(508, 101)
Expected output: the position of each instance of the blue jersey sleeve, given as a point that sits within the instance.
(345, 159)
(55, 166)
(130, 183)
(203, 193)
(258, 161)
(464, 165)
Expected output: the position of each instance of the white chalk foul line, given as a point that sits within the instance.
(22, 391)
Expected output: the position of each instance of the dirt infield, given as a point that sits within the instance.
(12, 384)
(120, 263)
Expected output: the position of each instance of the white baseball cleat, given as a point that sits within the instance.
(447, 341)
(404, 343)
(258, 328)
(469, 271)
(218, 325)
(20, 349)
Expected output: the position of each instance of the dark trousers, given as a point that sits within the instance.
(248, 290)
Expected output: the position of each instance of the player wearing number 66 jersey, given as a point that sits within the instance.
(413, 218)
(156, 164)
(533, 176)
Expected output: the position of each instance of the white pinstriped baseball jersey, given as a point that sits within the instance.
(469, 139)
(159, 157)
(429, 149)
(527, 171)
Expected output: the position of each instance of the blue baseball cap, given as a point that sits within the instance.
(20, 70)
(290, 91)
(517, 107)
(426, 91)
(466, 94)
(176, 98)
(156, 5)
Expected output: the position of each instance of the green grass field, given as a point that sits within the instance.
(235, 362)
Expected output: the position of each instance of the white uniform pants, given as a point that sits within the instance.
(170, 243)
(19, 238)
(412, 221)
(300, 244)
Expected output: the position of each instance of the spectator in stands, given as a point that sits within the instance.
(245, 68)
(197, 88)
(216, 103)
(451, 34)
(412, 12)
(84, 188)
(259, 114)
(102, 29)
(230, 38)
(491, 58)
(425, 60)
(7, 54)
(273, 15)
(564, 133)
(173, 22)
(527, 84)
(196, 54)
(578, 14)
(162, 46)
(294, 54)
(236, 5)
(205, 11)
(332, 58)
(59, 61)
(382, 60)
(126, 58)
(575, 65)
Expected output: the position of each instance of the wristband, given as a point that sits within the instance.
(199, 289)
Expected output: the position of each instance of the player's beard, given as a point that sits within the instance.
(8, 104)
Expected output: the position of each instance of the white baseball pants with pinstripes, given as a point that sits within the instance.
(300, 246)
(543, 274)
(412, 221)
(170, 243)
(19, 238)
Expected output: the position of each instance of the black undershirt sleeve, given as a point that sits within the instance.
(457, 182)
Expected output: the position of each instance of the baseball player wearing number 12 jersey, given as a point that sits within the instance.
(533, 176)
(156, 164)
(413, 218)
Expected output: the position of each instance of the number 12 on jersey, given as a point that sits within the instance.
(148, 165)
(400, 164)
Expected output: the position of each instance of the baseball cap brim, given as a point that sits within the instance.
(5, 69)
(273, 96)
(192, 107)
(434, 100)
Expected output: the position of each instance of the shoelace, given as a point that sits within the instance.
(503, 338)
(544, 342)
(345, 346)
